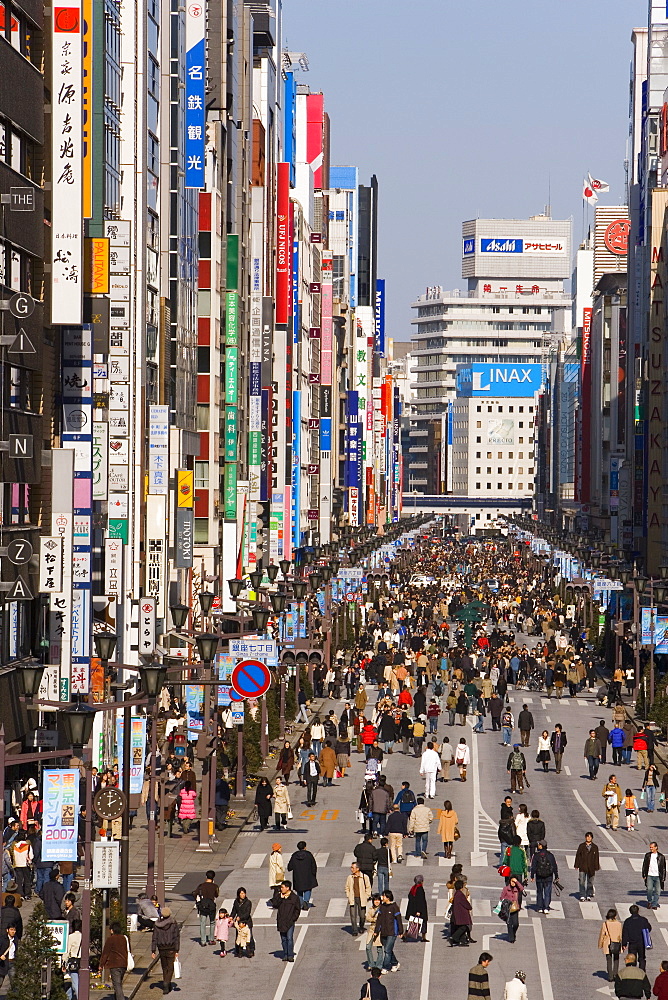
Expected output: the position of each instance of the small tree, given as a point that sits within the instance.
(35, 948)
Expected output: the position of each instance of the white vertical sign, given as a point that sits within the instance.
(147, 625)
(50, 564)
(67, 164)
(113, 567)
(156, 551)
(158, 450)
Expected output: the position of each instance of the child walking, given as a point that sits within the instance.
(221, 931)
(631, 809)
(242, 943)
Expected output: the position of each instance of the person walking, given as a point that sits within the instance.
(462, 758)
(114, 958)
(516, 988)
(263, 796)
(358, 893)
(311, 774)
(479, 979)
(287, 915)
(304, 870)
(632, 981)
(516, 766)
(206, 894)
(640, 747)
(558, 743)
(327, 761)
(461, 919)
(374, 948)
(654, 874)
(535, 831)
(543, 755)
(285, 762)
(276, 873)
(416, 907)
(612, 796)
(526, 724)
(381, 804)
(631, 809)
(447, 828)
(430, 765)
(544, 870)
(660, 988)
(610, 942)
(507, 726)
(418, 826)
(447, 755)
(166, 944)
(634, 931)
(512, 894)
(186, 800)
(616, 741)
(383, 865)
(587, 864)
(592, 754)
(649, 786)
(390, 926)
(281, 804)
(396, 828)
(373, 989)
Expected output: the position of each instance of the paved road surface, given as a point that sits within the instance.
(557, 951)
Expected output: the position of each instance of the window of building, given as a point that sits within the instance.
(510, 454)
(520, 454)
(520, 486)
(477, 486)
(499, 470)
(496, 309)
(520, 423)
(201, 475)
(203, 416)
(538, 311)
(521, 470)
(499, 409)
(511, 472)
(511, 309)
(478, 471)
(489, 409)
(478, 440)
(511, 409)
(530, 487)
(499, 454)
(531, 423)
(525, 310)
(489, 470)
(478, 423)
(478, 454)
(521, 409)
(520, 440)
(499, 486)
(530, 470)
(489, 486)
(478, 409)
(531, 409)
(201, 532)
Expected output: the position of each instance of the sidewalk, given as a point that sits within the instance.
(184, 870)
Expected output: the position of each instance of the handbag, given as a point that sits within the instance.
(504, 870)
(647, 938)
(359, 816)
(177, 968)
(290, 814)
(131, 959)
(457, 834)
(514, 907)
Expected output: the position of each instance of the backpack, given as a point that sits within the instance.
(543, 865)
(206, 907)
(407, 796)
(330, 728)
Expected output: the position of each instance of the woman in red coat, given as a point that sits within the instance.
(368, 735)
(405, 698)
(286, 761)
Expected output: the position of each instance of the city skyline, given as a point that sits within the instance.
(586, 128)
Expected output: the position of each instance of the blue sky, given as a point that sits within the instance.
(467, 109)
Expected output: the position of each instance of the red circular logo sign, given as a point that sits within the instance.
(617, 236)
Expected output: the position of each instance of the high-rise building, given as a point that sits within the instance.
(514, 311)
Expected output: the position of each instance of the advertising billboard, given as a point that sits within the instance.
(195, 125)
(491, 380)
(516, 248)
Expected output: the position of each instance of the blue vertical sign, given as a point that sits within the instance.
(379, 317)
(195, 128)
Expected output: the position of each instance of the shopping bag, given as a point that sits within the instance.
(414, 928)
(647, 938)
(177, 968)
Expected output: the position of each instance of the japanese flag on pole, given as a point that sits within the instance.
(597, 185)
(588, 194)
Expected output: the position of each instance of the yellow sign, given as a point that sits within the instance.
(184, 490)
(96, 277)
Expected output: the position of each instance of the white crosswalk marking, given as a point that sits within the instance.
(441, 907)
(362, 944)
(403, 904)
(581, 702)
(414, 862)
(623, 908)
(590, 911)
(261, 909)
(227, 904)
(321, 858)
(337, 908)
(662, 914)
(482, 908)
(608, 864)
(556, 910)
(636, 864)
(348, 860)
(444, 862)
(479, 859)
(255, 861)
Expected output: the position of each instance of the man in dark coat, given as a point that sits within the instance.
(287, 913)
(526, 724)
(166, 942)
(365, 855)
(304, 870)
(52, 896)
(10, 916)
(632, 934)
(587, 864)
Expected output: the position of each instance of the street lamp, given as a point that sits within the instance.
(105, 645)
(315, 581)
(260, 618)
(236, 586)
(256, 579)
(179, 613)
(299, 590)
(640, 582)
(30, 678)
(206, 600)
(152, 676)
(277, 602)
(207, 644)
(285, 566)
(272, 572)
(335, 565)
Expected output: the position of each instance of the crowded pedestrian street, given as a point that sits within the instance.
(555, 934)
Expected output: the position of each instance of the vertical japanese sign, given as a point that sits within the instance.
(379, 317)
(585, 407)
(147, 625)
(137, 752)
(113, 567)
(195, 80)
(50, 564)
(158, 450)
(282, 243)
(100, 459)
(60, 795)
(194, 696)
(62, 527)
(156, 551)
(67, 161)
(656, 389)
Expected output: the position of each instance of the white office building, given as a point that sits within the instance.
(514, 310)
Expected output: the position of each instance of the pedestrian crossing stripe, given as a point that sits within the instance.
(139, 881)
(607, 864)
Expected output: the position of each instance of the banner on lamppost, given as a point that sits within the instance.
(137, 752)
(60, 805)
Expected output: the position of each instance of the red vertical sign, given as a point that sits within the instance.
(282, 243)
(585, 408)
